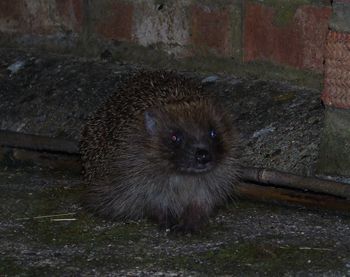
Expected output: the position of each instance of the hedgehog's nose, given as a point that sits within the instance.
(203, 156)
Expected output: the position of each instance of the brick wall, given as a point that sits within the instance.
(275, 31)
(299, 42)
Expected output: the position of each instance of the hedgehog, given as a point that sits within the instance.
(160, 148)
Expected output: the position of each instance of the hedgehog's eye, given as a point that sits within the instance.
(176, 138)
(213, 134)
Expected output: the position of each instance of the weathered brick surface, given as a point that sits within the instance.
(71, 14)
(300, 43)
(313, 25)
(165, 25)
(182, 27)
(40, 17)
(116, 21)
(336, 91)
(10, 15)
(211, 29)
(263, 40)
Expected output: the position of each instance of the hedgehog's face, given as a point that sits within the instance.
(190, 139)
(191, 153)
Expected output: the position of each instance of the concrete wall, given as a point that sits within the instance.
(287, 33)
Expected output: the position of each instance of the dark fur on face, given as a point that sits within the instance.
(188, 136)
(174, 160)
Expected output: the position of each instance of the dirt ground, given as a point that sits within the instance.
(44, 230)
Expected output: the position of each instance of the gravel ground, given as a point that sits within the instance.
(280, 128)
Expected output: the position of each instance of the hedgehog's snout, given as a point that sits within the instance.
(202, 156)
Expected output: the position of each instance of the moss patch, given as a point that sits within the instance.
(260, 257)
(78, 228)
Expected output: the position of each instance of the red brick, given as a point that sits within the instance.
(71, 12)
(38, 18)
(118, 23)
(11, 9)
(336, 91)
(11, 15)
(299, 43)
(211, 29)
(313, 25)
(25, 16)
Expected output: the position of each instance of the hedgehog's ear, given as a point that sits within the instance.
(151, 122)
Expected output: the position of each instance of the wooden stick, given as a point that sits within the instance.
(38, 143)
(287, 180)
(292, 197)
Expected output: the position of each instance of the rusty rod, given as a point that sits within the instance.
(292, 197)
(288, 180)
(38, 143)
